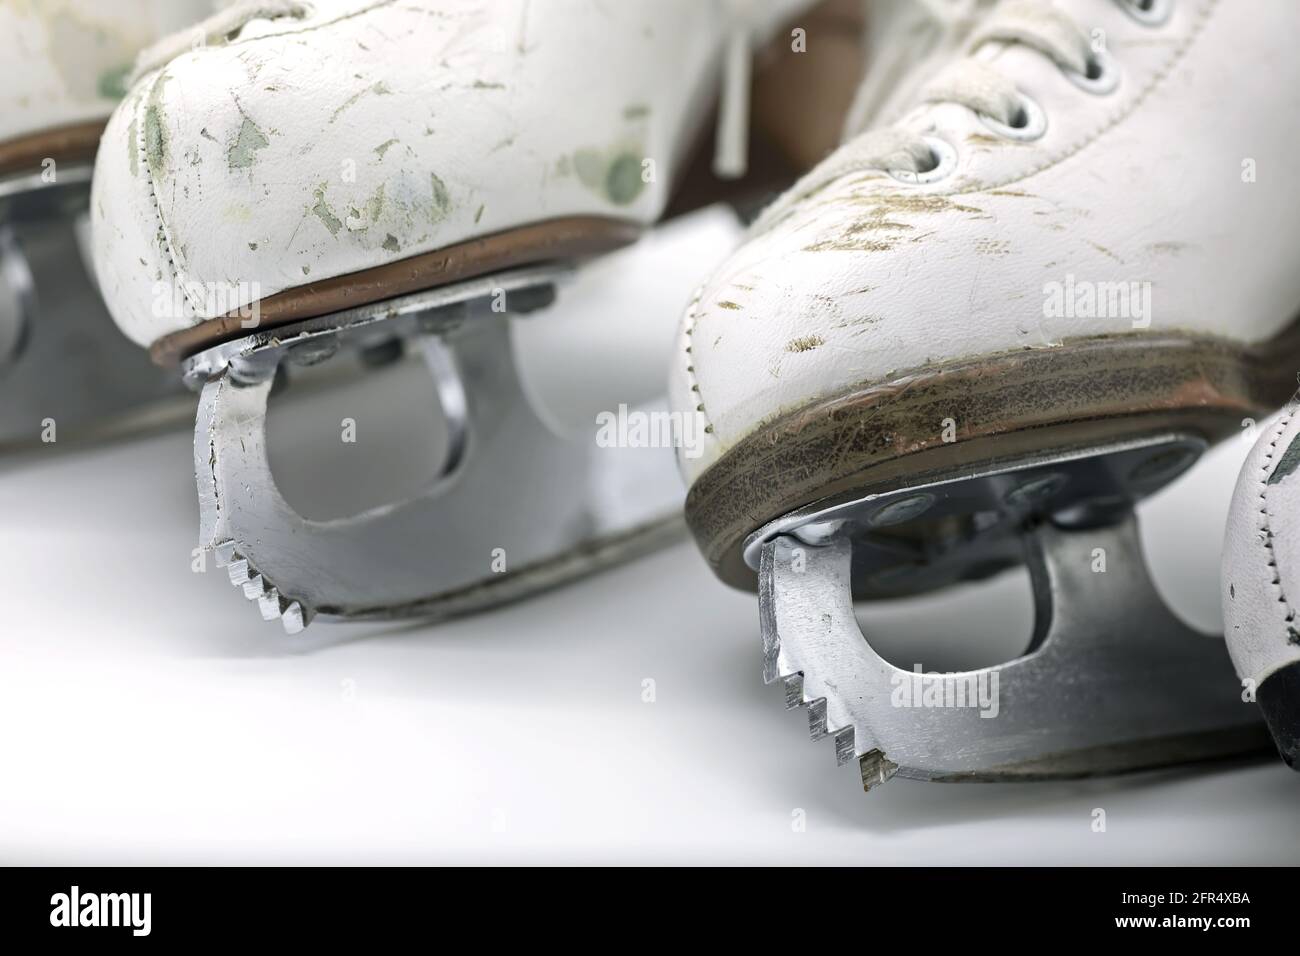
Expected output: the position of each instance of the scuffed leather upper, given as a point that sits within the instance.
(1261, 554)
(66, 61)
(870, 276)
(368, 131)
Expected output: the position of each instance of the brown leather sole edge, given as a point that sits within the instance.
(74, 143)
(572, 237)
(1083, 392)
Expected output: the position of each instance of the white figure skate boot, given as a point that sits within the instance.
(65, 371)
(377, 177)
(975, 338)
(1261, 576)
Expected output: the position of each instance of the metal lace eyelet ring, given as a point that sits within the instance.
(1032, 121)
(1102, 76)
(1149, 13)
(945, 162)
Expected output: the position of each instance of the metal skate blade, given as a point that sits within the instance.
(67, 375)
(1111, 682)
(517, 508)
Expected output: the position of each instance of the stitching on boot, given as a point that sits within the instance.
(162, 231)
(1157, 80)
(1268, 531)
(689, 330)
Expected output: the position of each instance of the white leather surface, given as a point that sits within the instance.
(65, 61)
(368, 132)
(871, 276)
(1261, 554)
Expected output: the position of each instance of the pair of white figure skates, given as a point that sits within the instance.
(1049, 264)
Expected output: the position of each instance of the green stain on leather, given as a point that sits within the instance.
(617, 178)
(112, 83)
(441, 199)
(623, 182)
(322, 211)
(156, 152)
(133, 148)
(243, 152)
(155, 143)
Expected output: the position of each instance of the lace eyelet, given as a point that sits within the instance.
(1149, 13)
(1105, 79)
(1033, 126)
(945, 162)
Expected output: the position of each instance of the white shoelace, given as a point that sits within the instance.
(934, 30)
(969, 82)
(731, 141)
(931, 27)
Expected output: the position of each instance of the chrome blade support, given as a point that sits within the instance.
(1111, 681)
(517, 508)
(66, 373)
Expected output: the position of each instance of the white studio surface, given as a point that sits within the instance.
(150, 716)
